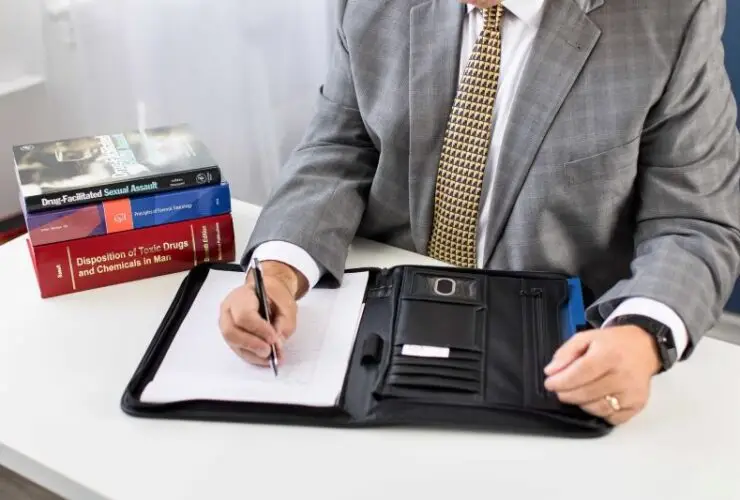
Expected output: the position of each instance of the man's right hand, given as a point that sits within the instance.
(244, 330)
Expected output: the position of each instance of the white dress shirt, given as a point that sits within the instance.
(521, 21)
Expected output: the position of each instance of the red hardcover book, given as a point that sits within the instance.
(84, 264)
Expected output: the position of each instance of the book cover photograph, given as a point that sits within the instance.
(59, 174)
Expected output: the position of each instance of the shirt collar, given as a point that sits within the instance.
(526, 10)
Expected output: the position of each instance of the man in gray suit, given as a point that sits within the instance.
(598, 138)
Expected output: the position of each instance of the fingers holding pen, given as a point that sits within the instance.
(246, 332)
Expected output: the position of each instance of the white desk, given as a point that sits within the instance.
(65, 361)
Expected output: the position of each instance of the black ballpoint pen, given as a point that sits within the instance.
(264, 309)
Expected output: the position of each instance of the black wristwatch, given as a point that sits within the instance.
(661, 333)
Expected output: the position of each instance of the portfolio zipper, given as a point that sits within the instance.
(537, 325)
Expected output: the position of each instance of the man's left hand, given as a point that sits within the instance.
(597, 365)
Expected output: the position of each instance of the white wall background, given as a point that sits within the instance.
(243, 73)
(23, 105)
(20, 39)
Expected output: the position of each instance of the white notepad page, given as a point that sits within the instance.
(200, 365)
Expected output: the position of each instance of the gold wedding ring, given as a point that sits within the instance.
(613, 402)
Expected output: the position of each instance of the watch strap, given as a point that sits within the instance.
(660, 332)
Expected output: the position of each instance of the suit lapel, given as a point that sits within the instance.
(564, 42)
(435, 29)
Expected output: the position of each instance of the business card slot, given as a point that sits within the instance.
(458, 360)
(437, 351)
(433, 385)
(410, 370)
(452, 373)
(431, 381)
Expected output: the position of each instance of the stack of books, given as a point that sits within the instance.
(110, 209)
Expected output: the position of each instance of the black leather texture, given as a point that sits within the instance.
(498, 330)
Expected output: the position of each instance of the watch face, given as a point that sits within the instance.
(661, 333)
(666, 347)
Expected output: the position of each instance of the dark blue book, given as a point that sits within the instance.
(127, 214)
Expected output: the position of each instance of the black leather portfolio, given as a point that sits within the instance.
(435, 347)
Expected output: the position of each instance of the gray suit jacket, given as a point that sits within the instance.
(621, 162)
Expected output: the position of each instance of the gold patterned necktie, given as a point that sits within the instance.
(465, 150)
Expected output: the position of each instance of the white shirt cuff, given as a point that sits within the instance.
(292, 255)
(657, 311)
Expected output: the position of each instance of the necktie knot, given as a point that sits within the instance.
(492, 17)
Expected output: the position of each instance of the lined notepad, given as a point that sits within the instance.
(200, 365)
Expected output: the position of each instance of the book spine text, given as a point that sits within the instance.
(122, 189)
(84, 264)
(127, 213)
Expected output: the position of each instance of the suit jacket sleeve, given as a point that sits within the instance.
(687, 233)
(322, 193)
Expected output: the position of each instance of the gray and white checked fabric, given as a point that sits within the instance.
(619, 162)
